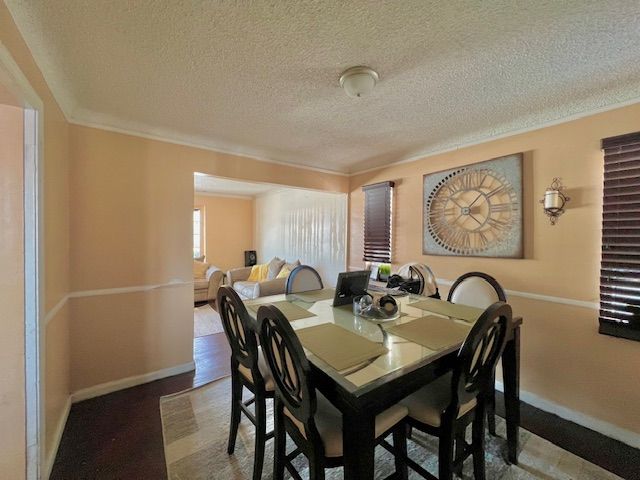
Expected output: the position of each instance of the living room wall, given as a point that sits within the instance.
(567, 367)
(303, 225)
(228, 228)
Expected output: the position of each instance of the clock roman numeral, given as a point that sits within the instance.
(467, 180)
(498, 224)
(501, 207)
(499, 190)
(481, 239)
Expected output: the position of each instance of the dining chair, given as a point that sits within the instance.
(476, 289)
(248, 370)
(480, 290)
(310, 420)
(303, 278)
(445, 407)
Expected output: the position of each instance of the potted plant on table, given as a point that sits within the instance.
(384, 271)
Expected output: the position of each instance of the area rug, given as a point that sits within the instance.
(206, 321)
(195, 426)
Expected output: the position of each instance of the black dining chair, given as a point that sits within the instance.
(303, 278)
(303, 413)
(480, 290)
(445, 407)
(248, 370)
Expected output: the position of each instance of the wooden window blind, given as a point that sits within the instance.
(620, 266)
(378, 205)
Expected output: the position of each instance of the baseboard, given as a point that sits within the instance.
(62, 422)
(114, 386)
(600, 426)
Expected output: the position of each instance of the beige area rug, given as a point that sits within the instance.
(195, 426)
(206, 321)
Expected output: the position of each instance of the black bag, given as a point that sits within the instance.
(411, 285)
(406, 285)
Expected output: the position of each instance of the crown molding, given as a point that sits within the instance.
(225, 195)
(200, 144)
(452, 146)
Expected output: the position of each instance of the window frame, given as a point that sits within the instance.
(619, 282)
(201, 209)
(378, 196)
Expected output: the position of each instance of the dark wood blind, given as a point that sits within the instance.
(620, 266)
(377, 222)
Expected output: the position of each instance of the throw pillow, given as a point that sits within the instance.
(274, 268)
(284, 272)
(199, 269)
(292, 265)
(258, 273)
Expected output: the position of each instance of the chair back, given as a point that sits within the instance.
(421, 272)
(289, 366)
(479, 354)
(303, 278)
(239, 331)
(476, 289)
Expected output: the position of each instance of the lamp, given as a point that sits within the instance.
(554, 200)
(358, 81)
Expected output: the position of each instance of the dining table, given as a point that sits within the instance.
(405, 364)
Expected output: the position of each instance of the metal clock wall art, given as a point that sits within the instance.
(475, 210)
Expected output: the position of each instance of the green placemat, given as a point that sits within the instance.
(455, 310)
(432, 332)
(288, 309)
(339, 347)
(315, 295)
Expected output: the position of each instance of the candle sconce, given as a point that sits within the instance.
(554, 200)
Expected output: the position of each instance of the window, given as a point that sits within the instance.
(378, 203)
(198, 233)
(620, 267)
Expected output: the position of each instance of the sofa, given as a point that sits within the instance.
(273, 284)
(206, 281)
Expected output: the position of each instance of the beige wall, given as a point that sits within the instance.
(12, 439)
(228, 227)
(131, 213)
(564, 359)
(56, 237)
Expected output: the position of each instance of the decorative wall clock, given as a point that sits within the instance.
(475, 210)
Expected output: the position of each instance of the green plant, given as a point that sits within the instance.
(384, 270)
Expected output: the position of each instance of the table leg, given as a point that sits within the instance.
(358, 435)
(511, 377)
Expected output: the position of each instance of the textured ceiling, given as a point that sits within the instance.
(261, 78)
(221, 186)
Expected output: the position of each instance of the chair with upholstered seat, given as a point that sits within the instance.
(313, 423)
(303, 278)
(476, 289)
(480, 290)
(446, 406)
(248, 370)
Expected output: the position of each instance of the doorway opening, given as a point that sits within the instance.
(22, 294)
(238, 223)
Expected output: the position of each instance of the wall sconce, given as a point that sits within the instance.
(554, 200)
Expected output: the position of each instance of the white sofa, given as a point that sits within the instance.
(205, 287)
(238, 280)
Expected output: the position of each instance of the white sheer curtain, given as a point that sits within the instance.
(305, 225)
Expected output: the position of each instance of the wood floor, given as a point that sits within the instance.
(119, 436)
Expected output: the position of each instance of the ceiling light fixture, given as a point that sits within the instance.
(358, 81)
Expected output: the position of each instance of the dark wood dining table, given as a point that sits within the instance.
(364, 391)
